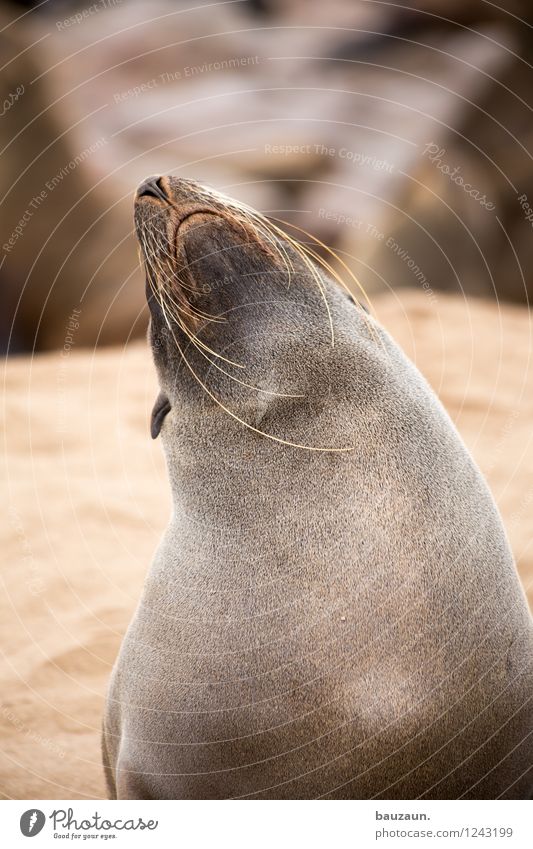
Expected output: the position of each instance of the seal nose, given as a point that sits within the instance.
(151, 187)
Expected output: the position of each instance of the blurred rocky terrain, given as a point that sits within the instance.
(397, 134)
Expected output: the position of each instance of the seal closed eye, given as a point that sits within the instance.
(333, 610)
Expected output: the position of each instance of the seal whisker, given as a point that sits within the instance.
(288, 443)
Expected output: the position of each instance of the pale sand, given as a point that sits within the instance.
(87, 499)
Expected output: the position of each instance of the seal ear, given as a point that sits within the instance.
(160, 409)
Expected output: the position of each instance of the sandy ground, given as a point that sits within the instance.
(87, 499)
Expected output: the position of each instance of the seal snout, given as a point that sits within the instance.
(152, 187)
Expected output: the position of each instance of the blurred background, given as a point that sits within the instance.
(399, 134)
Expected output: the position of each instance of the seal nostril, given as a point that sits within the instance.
(152, 188)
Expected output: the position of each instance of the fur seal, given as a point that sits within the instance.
(333, 610)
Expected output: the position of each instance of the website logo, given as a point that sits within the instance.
(32, 822)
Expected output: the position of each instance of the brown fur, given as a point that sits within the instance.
(334, 610)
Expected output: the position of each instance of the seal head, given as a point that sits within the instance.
(241, 313)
